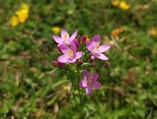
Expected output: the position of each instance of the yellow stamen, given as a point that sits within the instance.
(70, 54)
(65, 36)
(96, 44)
(89, 82)
(98, 50)
(95, 50)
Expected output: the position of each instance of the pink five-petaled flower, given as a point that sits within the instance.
(65, 38)
(70, 54)
(96, 49)
(89, 82)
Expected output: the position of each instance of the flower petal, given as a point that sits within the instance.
(102, 57)
(96, 84)
(71, 60)
(73, 47)
(64, 48)
(95, 54)
(73, 36)
(83, 83)
(103, 48)
(63, 58)
(96, 39)
(57, 39)
(64, 34)
(78, 55)
(86, 74)
(76, 43)
(88, 90)
(89, 45)
(95, 76)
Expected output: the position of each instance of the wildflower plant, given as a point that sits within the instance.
(74, 59)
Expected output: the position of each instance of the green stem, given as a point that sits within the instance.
(78, 78)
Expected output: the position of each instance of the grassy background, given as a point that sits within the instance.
(29, 90)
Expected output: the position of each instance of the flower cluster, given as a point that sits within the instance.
(21, 15)
(70, 48)
(122, 4)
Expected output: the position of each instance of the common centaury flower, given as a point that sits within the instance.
(96, 49)
(65, 38)
(89, 81)
(70, 55)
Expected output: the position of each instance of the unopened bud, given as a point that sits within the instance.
(67, 94)
(91, 60)
(80, 62)
(79, 39)
(84, 38)
(54, 63)
(57, 64)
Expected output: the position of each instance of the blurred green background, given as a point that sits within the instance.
(29, 91)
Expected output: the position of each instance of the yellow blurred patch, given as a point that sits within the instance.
(14, 21)
(87, 38)
(55, 29)
(66, 87)
(123, 5)
(115, 3)
(24, 6)
(116, 32)
(152, 32)
(22, 15)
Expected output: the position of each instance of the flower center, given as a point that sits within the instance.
(96, 45)
(65, 36)
(70, 53)
(66, 42)
(95, 50)
(89, 82)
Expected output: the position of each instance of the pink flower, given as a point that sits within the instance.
(89, 82)
(65, 38)
(96, 49)
(70, 54)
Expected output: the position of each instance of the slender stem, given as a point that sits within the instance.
(78, 78)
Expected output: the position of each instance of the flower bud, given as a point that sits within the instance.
(84, 39)
(80, 62)
(79, 39)
(68, 94)
(57, 64)
(91, 60)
